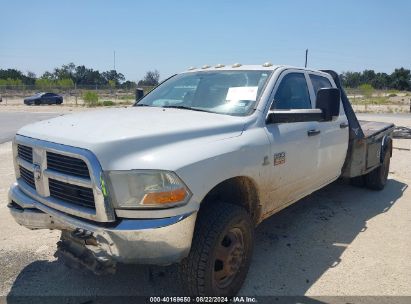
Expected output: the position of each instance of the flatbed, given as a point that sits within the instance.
(369, 142)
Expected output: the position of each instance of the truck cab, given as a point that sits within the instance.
(186, 174)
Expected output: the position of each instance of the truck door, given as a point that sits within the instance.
(333, 139)
(294, 146)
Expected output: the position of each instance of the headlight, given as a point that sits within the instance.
(147, 189)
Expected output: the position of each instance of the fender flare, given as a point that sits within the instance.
(386, 147)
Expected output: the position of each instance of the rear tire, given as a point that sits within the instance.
(358, 181)
(220, 252)
(377, 179)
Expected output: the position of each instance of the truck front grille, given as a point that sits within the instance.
(67, 165)
(27, 176)
(25, 152)
(64, 178)
(72, 193)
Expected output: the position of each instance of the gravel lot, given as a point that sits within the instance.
(340, 241)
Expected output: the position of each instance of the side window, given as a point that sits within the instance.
(292, 93)
(319, 82)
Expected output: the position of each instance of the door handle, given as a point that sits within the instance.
(313, 132)
(343, 125)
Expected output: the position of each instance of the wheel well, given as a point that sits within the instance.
(240, 191)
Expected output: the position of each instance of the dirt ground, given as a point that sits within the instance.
(340, 241)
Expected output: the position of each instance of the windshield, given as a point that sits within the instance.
(225, 92)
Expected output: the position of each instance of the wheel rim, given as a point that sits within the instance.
(228, 258)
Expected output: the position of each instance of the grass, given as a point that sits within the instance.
(371, 101)
(109, 103)
(126, 97)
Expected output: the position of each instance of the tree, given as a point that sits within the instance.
(367, 76)
(351, 79)
(66, 71)
(48, 75)
(10, 83)
(401, 79)
(366, 90)
(129, 85)
(86, 76)
(30, 78)
(44, 83)
(113, 75)
(151, 78)
(381, 81)
(66, 83)
(90, 98)
(11, 74)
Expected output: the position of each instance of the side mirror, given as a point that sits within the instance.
(290, 116)
(139, 94)
(328, 101)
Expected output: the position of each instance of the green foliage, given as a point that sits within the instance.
(371, 101)
(400, 79)
(113, 76)
(392, 95)
(128, 85)
(125, 103)
(151, 78)
(126, 97)
(366, 89)
(112, 83)
(44, 83)
(108, 103)
(10, 83)
(79, 75)
(90, 98)
(65, 83)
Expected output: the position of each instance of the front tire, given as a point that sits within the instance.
(220, 252)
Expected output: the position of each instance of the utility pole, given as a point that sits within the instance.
(114, 60)
(306, 57)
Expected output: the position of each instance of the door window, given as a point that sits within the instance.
(292, 93)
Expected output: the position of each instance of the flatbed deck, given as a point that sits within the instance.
(371, 128)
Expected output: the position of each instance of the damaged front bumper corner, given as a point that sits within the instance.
(133, 241)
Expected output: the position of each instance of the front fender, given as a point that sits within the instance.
(241, 156)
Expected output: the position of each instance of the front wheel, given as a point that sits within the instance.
(220, 253)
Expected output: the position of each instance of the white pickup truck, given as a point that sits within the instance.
(188, 172)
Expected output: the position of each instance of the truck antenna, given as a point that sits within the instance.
(306, 57)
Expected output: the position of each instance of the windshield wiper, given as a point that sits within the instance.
(142, 105)
(187, 108)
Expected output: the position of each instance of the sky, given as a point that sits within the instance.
(171, 36)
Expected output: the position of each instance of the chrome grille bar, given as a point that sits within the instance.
(65, 178)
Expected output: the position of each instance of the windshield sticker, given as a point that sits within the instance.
(242, 93)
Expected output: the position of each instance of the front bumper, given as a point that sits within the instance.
(137, 241)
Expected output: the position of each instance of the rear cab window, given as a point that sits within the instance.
(319, 82)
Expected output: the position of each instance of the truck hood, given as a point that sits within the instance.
(114, 133)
